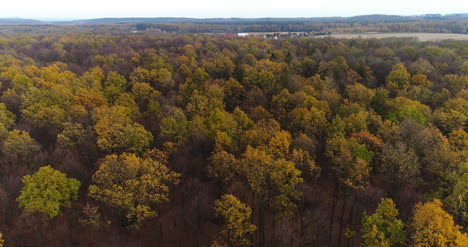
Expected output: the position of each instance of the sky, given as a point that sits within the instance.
(83, 9)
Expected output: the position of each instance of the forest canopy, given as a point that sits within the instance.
(205, 140)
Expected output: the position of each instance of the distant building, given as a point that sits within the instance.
(242, 34)
(229, 35)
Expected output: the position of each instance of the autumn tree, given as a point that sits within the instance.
(20, 147)
(432, 226)
(401, 162)
(236, 216)
(47, 191)
(383, 228)
(132, 184)
(7, 118)
(360, 94)
(399, 78)
(223, 166)
(118, 133)
(272, 181)
(350, 160)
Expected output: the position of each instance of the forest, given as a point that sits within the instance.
(138, 139)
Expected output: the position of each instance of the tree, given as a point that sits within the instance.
(449, 120)
(236, 216)
(432, 226)
(114, 85)
(118, 133)
(401, 162)
(122, 137)
(312, 122)
(399, 78)
(1, 240)
(7, 118)
(174, 126)
(360, 94)
(350, 160)
(223, 166)
(457, 201)
(164, 79)
(47, 191)
(459, 139)
(383, 228)
(273, 181)
(20, 147)
(401, 108)
(132, 184)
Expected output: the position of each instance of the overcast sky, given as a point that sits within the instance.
(223, 8)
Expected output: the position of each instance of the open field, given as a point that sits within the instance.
(420, 36)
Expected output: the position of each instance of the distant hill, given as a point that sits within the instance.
(361, 18)
(19, 21)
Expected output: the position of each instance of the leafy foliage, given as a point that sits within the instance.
(383, 228)
(20, 147)
(434, 227)
(236, 216)
(132, 184)
(47, 191)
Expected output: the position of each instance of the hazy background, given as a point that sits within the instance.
(60, 9)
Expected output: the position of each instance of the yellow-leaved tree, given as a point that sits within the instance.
(432, 226)
(236, 215)
(132, 184)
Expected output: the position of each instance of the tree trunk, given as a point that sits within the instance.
(261, 226)
(349, 242)
(330, 229)
(343, 208)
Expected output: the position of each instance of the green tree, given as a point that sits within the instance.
(383, 228)
(47, 191)
(236, 216)
(7, 118)
(457, 201)
(114, 85)
(401, 108)
(399, 78)
(174, 126)
(135, 185)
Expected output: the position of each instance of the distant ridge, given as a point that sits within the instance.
(19, 21)
(361, 18)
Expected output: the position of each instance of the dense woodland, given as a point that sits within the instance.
(200, 140)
